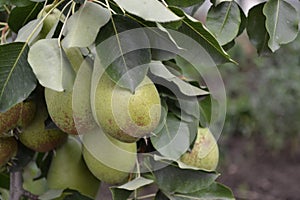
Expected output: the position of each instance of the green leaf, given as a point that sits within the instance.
(159, 70)
(83, 26)
(217, 2)
(4, 194)
(183, 3)
(74, 195)
(281, 23)
(186, 181)
(188, 70)
(256, 29)
(200, 34)
(136, 183)
(122, 50)
(160, 196)
(51, 65)
(51, 194)
(120, 194)
(17, 80)
(27, 30)
(173, 139)
(214, 191)
(20, 16)
(21, 3)
(224, 21)
(144, 8)
(4, 180)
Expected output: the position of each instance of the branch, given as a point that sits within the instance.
(16, 187)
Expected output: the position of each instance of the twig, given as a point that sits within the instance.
(16, 187)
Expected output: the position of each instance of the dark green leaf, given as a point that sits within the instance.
(224, 21)
(161, 196)
(281, 22)
(243, 23)
(19, 16)
(205, 111)
(125, 55)
(4, 180)
(120, 194)
(256, 29)
(173, 139)
(214, 191)
(186, 181)
(199, 33)
(21, 3)
(184, 3)
(17, 80)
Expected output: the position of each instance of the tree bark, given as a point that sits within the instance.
(16, 187)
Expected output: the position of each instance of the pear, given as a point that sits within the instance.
(50, 21)
(124, 115)
(205, 152)
(8, 149)
(9, 119)
(59, 104)
(110, 160)
(68, 170)
(19, 115)
(37, 137)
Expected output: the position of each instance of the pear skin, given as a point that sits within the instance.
(124, 115)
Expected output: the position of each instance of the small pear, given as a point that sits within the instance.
(27, 113)
(124, 115)
(110, 160)
(205, 152)
(8, 149)
(68, 170)
(37, 137)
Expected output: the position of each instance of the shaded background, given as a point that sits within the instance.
(260, 154)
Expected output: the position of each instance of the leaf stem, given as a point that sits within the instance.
(67, 16)
(104, 5)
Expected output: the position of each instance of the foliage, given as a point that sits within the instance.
(130, 40)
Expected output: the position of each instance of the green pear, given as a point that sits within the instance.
(124, 115)
(205, 152)
(8, 149)
(59, 104)
(19, 115)
(9, 119)
(37, 137)
(68, 170)
(50, 21)
(110, 160)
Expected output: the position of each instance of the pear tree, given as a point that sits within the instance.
(122, 99)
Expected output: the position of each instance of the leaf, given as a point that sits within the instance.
(159, 70)
(120, 194)
(224, 21)
(74, 195)
(51, 194)
(195, 30)
(217, 2)
(27, 30)
(186, 181)
(214, 191)
(123, 191)
(4, 180)
(20, 16)
(17, 80)
(281, 23)
(123, 49)
(188, 70)
(4, 194)
(21, 3)
(145, 8)
(160, 196)
(173, 139)
(183, 3)
(51, 65)
(136, 183)
(256, 29)
(83, 26)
